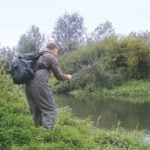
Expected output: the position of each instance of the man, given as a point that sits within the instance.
(39, 96)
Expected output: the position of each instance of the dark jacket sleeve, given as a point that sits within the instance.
(50, 62)
(56, 69)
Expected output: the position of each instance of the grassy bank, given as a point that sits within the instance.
(130, 88)
(138, 89)
(17, 131)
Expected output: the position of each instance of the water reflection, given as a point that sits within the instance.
(110, 111)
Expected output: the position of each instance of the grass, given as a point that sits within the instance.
(137, 90)
(17, 131)
(131, 88)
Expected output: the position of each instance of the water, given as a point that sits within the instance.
(109, 112)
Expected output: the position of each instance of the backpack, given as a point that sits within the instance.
(22, 67)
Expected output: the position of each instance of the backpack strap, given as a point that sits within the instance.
(42, 53)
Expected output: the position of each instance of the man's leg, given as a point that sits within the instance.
(48, 120)
(35, 111)
(47, 106)
(43, 98)
(37, 117)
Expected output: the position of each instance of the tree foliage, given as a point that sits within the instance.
(101, 31)
(141, 34)
(69, 31)
(6, 56)
(31, 41)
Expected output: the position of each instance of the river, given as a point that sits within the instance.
(108, 112)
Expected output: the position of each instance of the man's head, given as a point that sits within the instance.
(53, 48)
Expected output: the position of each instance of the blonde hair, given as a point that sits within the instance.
(51, 46)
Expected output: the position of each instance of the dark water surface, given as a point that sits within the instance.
(109, 111)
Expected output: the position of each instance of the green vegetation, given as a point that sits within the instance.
(111, 67)
(134, 91)
(131, 88)
(108, 65)
(17, 131)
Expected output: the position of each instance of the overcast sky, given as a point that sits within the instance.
(16, 16)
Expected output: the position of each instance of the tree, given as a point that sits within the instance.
(142, 34)
(6, 56)
(101, 31)
(31, 41)
(69, 31)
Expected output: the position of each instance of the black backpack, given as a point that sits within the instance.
(22, 67)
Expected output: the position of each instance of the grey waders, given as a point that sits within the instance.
(40, 100)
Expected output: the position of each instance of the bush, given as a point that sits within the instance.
(94, 74)
(129, 54)
(74, 61)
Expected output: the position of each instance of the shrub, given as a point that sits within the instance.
(129, 54)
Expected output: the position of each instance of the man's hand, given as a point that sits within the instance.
(69, 76)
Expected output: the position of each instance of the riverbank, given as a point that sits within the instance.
(133, 88)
